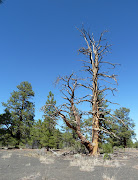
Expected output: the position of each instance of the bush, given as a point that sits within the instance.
(107, 148)
(107, 157)
(136, 144)
(115, 148)
(79, 147)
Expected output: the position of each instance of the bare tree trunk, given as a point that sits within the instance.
(95, 51)
(95, 135)
(84, 141)
(77, 129)
(125, 143)
(95, 121)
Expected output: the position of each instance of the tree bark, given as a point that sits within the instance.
(84, 141)
(125, 143)
(95, 121)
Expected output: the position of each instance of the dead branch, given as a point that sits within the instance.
(108, 132)
(113, 76)
(105, 89)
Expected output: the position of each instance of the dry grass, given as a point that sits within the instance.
(106, 177)
(86, 168)
(32, 154)
(31, 177)
(28, 164)
(84, 165)
(135, 167)
(46, 160)
(88, 163)
(5, 156)
(125, 157)
(111, 163)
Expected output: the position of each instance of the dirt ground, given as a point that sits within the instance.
(39, 165)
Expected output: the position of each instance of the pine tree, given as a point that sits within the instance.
(5, 128)
(22, 112)
(44, 133)
(48, 126)
(104, 122)
(58, 139)
(68, 137)
(124, 131)
(36, 134)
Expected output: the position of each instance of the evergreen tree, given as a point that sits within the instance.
(135, 145)
(48, 126)
(104, 122)
(21, 110)
(58, 139)
(47, 136)
(41, 137)
(124, 131)
(68, 139)
(36, 134)
(5, 128)
(71, 139)
(44, 132)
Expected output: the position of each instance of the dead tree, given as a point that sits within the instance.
(69, 85)
(94, 50)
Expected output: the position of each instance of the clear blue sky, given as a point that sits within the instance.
(39, 41)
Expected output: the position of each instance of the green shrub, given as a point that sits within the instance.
(136, 144)
(107, 148)
(79, 147)
(107, 157)
(115, 148)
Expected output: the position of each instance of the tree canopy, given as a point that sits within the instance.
(21, 112)
(125, 132)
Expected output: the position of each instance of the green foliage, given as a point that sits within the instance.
(124, 132)
(5, 119)
(71, 140)
(135, 144)
(107, 148)
(41, 135)
(17, 126)
(47, 136)
(68, 140)
(130, 143)
(35, 134)
(104, 120)
(19, 114)
(44, 133)
(5, 128)
(106, 157)
(86, 126)
(48, 125)
(58, 139)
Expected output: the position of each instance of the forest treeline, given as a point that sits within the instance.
(19, 128)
